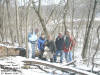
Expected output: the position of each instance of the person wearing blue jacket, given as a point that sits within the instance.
(41, 45)
(32, 39)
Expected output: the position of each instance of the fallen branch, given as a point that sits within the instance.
(41, 68)
(72, 62)
(58, 66)
(97, 64)
(89, 70)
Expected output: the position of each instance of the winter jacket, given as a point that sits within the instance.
(32, 37)
(59, 43)
(41, 44)
(51, 46)
(69, 43)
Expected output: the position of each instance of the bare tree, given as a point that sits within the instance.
(84, 51)
(17, 22)
(97, 48)
(9, 20)
(64, 15)
(40, 17)
(27, 17)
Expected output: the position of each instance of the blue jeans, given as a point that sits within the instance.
(61, 55)
(32, 50)
(68, 56)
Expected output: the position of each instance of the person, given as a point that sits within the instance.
(69, 43)
(32, 39)
(59, 46)
(51, 45)
(41, 45)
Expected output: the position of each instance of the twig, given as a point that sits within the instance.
(41, 68)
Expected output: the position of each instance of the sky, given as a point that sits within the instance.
(44, 2)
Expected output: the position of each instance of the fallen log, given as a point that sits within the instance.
(69, 63)
(89, 70)
(97, 64)
(57, 66)
(41, 68)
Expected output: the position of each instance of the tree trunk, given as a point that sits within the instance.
(38, 12)
(97, 48)
(84, 51)
(27, 16)
(17, 23)
(9, 24)
(64, 15)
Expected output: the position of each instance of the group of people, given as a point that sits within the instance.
(61, 46)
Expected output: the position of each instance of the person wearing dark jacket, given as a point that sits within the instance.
(52, 49)
(59, 46)
(69, 44)
(41, 45)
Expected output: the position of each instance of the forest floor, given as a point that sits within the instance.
(14, 65)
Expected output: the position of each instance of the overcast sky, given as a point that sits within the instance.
(44, 2)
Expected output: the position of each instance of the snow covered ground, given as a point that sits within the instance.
(17, 63)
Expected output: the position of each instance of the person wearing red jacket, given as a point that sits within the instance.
(68, 44)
